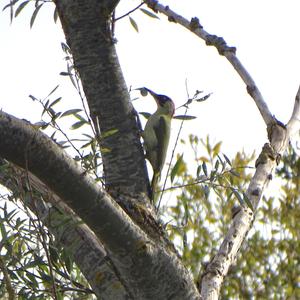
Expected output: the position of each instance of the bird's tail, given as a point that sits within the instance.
(154, 182)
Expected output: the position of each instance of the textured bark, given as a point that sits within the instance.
(149, 268)
(88, 34)
(84, 247)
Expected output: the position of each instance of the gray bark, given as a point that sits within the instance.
(86, 24)
(84, 247)
(149, 268)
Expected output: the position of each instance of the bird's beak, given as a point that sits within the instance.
(154, 95)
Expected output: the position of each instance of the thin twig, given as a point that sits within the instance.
(218, 42)
(128, 13)
(173, 151)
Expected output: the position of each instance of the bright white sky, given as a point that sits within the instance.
(163, 55)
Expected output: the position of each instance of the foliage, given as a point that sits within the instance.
(196, 222)
(37, 267)
(268, 265)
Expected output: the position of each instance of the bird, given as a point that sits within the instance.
(156, 136)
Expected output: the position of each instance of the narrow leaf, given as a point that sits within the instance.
(199, 171)
(149, 13)
(35, 14)
(204, 167)
(222, 162)
(65, 74)
(53, 91)
(227, 159)
(216, 149)
(20, 7)
(78, 125)
(80, 118)
(134, 24)
(185, 117)
(146, 115)
(108, 133)
(55, 102)
(206, 191)
(217, 165)
(238, 196)
(54, 256)
(32, 98)
(71, 112)
(248, 202)
(212, 176)
(176, 167)
(203, 98)
(12, 3)
(55, 15)
(234, 173)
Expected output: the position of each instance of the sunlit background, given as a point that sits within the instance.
(164, 56)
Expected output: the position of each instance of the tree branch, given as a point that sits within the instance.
(229, 52)
(95, 59)
(151, 269)
(293, 125)
(74, 236)
(278, 134)
(213, 276)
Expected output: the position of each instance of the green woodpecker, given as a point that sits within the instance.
(156, 135)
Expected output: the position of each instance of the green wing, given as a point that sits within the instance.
(162, 132)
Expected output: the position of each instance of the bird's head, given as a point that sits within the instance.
(163, 102)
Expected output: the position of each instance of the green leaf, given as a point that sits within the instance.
(238, 196)
(105, 150)
(108, 133)
(20, 7)
(71, 77)
(53, 91)
(199, 171)
(206, 191)
(55, 102)
(227, 159)
(216, 149)
(248, 202)
(32, 98)
(184, 117)
(54, 256)
(146, 115)
(12, 3)
(55, 15)
(46, 278)
(37, 9)
(87, 144)
(11, 6)
(204, 167)
(70, 112)
(212, 176)
(68, 261)
(80, 118)
(203, 98)
(65, 74)
(234, 173)
(222, 162)
(217, 165)
(134, 24)
(176, 167)
(78, 125)
(149, 13)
